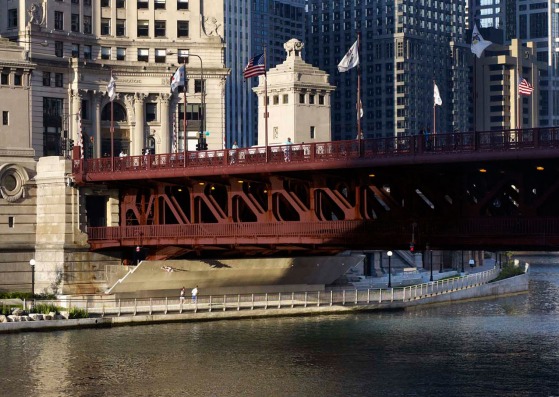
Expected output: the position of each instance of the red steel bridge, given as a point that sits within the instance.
(468, 190)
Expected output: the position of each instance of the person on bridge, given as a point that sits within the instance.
(287, 150)
(234, 152)
(194, 294)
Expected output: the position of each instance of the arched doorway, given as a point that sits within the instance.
(121, 136)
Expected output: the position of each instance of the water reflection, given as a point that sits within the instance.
(499, 347)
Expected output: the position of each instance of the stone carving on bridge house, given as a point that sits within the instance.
(37, 14)
(12, 182)
(129, 103)
(293, 45)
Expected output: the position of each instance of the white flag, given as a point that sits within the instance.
(478, 43)
(177, 79)
(350, 60)
(437, 96)
(111, 89)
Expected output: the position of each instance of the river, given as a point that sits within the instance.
(499, 347)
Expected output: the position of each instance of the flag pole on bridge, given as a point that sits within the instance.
(349, 61)
(256, 66)
(111, 92)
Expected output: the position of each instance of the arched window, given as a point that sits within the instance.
(119, 113)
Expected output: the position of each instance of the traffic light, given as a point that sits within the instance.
(198, 146)
(70, 144)
(412, 247)
(204, 145)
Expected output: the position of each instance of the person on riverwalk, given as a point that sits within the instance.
(194, 294)
(182, 294)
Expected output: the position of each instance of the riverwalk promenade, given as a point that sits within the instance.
(106, 311)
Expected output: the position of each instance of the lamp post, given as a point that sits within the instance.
(389, 254)
(201, 139)
(32, 264)
(431, 263)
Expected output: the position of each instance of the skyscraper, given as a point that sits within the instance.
(404, 47)
(535, 21)
(249, 27)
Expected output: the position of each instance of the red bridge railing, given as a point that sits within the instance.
(411, 145)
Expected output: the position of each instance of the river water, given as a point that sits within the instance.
(499, 347)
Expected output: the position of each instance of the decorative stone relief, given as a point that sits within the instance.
(12, 182)
(129, 102)
(211, 27)
(37, 14)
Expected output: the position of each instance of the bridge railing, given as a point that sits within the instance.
(104, 306)
(409, 145)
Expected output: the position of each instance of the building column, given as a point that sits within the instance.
(138, 138)
(164, 146)
(96, 133)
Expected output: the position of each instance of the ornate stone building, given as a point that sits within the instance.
(57, 58)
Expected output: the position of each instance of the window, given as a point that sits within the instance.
(312, 132)
(87, 24)
(276, 99)
(160, 28)
(311, 99)
(105, 52)
(4, 78)
(75, 1)
(143, 54)
(151, 112)
(160, 55)
(121, 54)
(143, 28)
(5, 117)
(59, 49)
(87, 2)
(301, 98)
(11, 221)
(105, 26)
(75, 26)
(58, 79)
(105, 3)
(159, 4)
(198, 86)
(59, 20)
(121, 27)
(120, 4)
(75, 50)
(52, 122)
(182, 28)
(183, 56)
(18, 79)
(46, 79)
(85, 109)
(143, 4)
(321, 99)
(12, 18)
(87, 52)
(182, 4)
(285, 98)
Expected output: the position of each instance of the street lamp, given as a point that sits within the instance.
(389, 253)
(32, 264)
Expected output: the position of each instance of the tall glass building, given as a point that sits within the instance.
(249, 27)
(404, 47)
(529, 20)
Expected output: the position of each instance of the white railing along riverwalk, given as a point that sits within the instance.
(345, 297)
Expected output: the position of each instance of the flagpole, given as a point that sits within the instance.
(518, 107)
(475, 93)
(265, 106)
(185, 140)
(112, 128)
(358, 107)
(434, 116)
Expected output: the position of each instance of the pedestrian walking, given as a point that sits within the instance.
(234, 152)
(194, 294)
(287, 150)
(182, 295)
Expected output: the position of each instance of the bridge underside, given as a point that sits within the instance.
(509, 204)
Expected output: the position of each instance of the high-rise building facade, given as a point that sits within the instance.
(529, 21)
(251, 27)
(405, 46)
(77, 45)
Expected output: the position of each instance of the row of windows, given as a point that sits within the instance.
(143, 54)
(312, 100)
(159, 28)
(17, 78)
(58, 79)
(144, 4)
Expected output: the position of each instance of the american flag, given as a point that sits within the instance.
(524, 87)
(255, 67)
